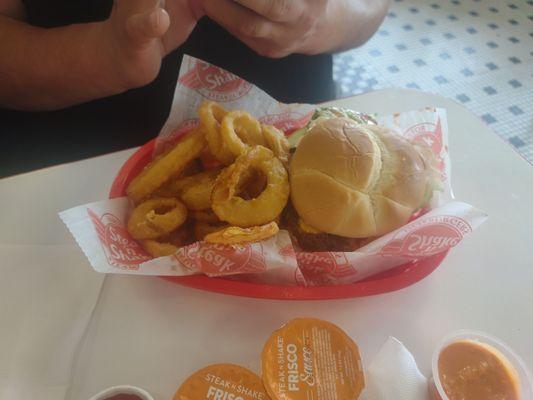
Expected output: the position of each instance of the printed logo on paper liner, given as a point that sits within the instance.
(218, 259)
(287, 251)
(427, 237)
(287, 121)
(120, 249)
(430, 135)
(215, 83)
(323, 268)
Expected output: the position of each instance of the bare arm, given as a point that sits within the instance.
(54, 68)
(276, 28)
(12, 8)
(58, 67)
(354, 22)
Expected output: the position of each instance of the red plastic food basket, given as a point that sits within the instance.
(394, 279)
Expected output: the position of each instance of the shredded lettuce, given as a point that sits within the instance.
(333, 112)
(323, 113)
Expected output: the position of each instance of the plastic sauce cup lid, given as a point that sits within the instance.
(311, 359)
(222, 381)
(502, 349)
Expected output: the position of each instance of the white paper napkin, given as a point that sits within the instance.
(394, 375)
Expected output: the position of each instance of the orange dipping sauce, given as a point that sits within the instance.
(469, 370)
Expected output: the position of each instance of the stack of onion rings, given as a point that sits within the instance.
(185, 194)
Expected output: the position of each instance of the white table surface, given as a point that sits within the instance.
(151, 333)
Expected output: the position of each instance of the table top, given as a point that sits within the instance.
(478, 52)
(64, 343)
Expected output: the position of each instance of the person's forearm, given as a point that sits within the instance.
(44, 69)
(351, 23)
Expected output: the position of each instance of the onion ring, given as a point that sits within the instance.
(168, 165)
(181, 236)
(156, 217)
(169, 244)
(251, 183)
(208, 160)
(277, 142)
(211, 115)
(158, 249)
(266, 207)
(176, 187)
(197, 195)
(201, 229)
(205, 216)
(239, 130)
(237, 235)
(193, 167)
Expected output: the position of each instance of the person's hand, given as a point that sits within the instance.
(273, 28)
(277, 28)
(139, 33)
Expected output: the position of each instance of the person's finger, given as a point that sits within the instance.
(266, 48)
(131, 7)
(239, 20)
(146, 26)
(196, 8)
(275, 10)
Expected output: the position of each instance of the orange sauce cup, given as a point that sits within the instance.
(470, 365)
(308, 359)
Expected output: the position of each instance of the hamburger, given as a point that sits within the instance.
(353, 180)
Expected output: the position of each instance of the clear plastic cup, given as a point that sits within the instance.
(526, 382)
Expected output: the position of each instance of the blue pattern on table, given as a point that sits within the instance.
(478, 52)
